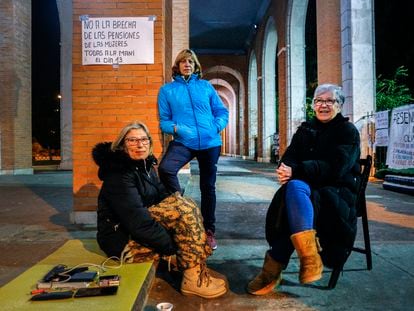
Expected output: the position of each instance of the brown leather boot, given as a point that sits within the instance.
(268, 278)
(307, 246)
(198, 281)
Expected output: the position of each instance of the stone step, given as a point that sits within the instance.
(402, 184)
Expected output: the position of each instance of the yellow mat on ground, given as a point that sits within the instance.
(15, 295)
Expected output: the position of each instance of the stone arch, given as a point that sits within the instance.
(227, 93)
(296, 69)
(268, 89)
(239, 103)
(252, 112)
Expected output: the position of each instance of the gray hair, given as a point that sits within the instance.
(119, 142)
(336, 91)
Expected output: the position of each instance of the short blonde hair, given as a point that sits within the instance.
(119, 142)
(183, 55)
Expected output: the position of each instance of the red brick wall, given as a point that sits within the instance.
(15, 87)
(328, 29)
(105, 99)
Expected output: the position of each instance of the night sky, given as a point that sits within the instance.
(45, 73)
(393, 36)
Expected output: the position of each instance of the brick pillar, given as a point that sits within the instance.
(15, 87)
(328, 25)
(106, 98)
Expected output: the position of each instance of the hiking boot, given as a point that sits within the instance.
(198, 281)
(211, 239)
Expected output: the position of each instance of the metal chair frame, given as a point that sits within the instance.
(361, 213)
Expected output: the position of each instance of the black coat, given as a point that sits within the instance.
(325, 155)
(129, 188)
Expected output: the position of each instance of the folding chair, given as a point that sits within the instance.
(361, 207)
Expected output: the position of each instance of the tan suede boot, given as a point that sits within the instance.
(268, 278)
(198, 281)
(307, 246)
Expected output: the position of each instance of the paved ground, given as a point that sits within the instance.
(244, 190)
(34, 221)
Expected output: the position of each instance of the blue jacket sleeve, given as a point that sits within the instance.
(165, 114)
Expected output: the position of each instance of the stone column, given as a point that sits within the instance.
(358, 64)
(66, 33)
(177, 31)
(177, 38)
(180, 26)
(294, 52)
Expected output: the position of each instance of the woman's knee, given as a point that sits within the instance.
(166, 168)
(296, 185)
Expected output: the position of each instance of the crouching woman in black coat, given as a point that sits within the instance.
(139, 220)
(316, 203)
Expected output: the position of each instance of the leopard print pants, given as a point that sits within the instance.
(182, 217)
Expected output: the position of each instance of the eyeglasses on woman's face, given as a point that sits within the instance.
(328, 102)
(137, 140)
(137, 144)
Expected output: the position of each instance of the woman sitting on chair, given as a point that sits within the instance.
(318, 173)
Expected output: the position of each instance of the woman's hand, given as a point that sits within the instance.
(284, 173)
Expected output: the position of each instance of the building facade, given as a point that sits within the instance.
(265, 90)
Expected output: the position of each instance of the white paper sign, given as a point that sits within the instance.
(117, 40)
(381, 137)
(400, 153)
(381, 120)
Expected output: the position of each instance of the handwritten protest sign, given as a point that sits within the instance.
(381, 129)
(400, 152)
(381, 138)
(117, 40)
(381, 120)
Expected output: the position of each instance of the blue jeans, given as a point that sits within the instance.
(299, 206)
(299, 211)
(175, 158)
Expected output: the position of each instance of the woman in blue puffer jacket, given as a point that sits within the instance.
(191, 110)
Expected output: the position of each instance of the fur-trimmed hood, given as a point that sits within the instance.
(108, 160)
(129, 187)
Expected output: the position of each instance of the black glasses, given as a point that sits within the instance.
(328, 102)
(136, 140)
